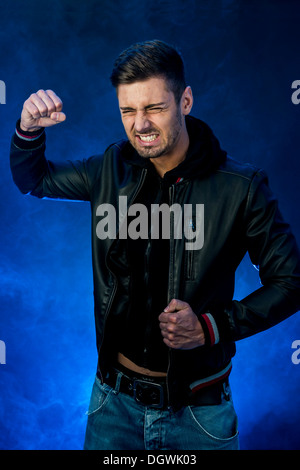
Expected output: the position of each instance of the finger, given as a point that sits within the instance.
(174, 343)
(164, 317)
(171, 329)
(31, 109)
(168, 336)
(167, 327)
(43, 95)
(168, 343)
(56, 100)
(176, 305)
(58, 117)
(40, 104)
(55, 118)
(167, 320)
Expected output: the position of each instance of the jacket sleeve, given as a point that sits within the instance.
(34, 174)
(273, 250)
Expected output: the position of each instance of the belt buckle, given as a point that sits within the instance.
(138, 385)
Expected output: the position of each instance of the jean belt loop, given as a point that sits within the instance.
(226, 390)
(118, 382)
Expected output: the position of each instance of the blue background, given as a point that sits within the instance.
(241, 59)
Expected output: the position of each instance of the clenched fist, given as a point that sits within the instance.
(180, 326)
(42, 109)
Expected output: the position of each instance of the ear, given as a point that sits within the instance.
(187, 101)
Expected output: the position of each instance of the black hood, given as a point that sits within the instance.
(203, 157)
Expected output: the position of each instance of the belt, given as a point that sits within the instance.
(152, 391)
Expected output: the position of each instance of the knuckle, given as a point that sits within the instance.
(56, 100)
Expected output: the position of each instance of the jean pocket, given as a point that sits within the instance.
(99, 397)
(217, 422)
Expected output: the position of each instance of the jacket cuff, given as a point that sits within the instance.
(216, 325)
(210, 329)
(28, 140)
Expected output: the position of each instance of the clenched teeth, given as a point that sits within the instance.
(148, 138)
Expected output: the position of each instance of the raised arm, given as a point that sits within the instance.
(31, 171)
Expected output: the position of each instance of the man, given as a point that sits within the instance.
(165, 319)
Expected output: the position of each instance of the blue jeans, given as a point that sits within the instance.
(117, 422)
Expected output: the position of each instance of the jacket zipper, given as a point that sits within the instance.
(112, 296)
(171, 292)
(190, 253)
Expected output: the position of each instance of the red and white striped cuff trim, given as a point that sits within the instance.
(30, 138)
(212, 328)
(198, 384)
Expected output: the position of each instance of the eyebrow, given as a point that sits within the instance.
(149, 106)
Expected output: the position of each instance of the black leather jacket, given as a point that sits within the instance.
(240, 215)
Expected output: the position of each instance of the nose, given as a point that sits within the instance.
(141, 122)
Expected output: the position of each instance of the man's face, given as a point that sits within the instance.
(152, 120)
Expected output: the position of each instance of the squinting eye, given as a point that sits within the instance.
(127, 113)
(154, 110)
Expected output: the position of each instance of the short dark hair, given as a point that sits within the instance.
(149, 59)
